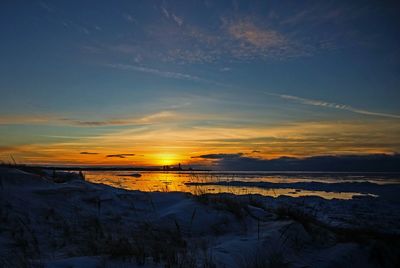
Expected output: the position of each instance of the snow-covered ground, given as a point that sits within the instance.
(74, 223)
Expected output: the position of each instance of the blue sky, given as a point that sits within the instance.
(142, 76)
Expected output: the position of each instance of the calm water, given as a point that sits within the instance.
(175, 181)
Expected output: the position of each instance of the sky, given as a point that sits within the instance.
(148, 83)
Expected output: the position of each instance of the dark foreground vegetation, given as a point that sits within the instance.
(56, 219)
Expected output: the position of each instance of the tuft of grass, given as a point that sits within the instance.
(234, 205)
(300, 215)
(256, 202)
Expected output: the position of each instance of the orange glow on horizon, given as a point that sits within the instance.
(168, 146)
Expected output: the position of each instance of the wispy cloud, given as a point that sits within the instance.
(225, 69)
(115, 122)
(151, 118)
(167, 74)
(46, 7)
(59, 17)
(246, 38)
(146, 119)
(235, 38)
(162, 73)
(238, 38)
(333, 106)
(165, 12)
(169, 15)
(78, 27)
(178, 20)
(247, 31)
(128, 18)
(322, 12)
(173, 36)
(158, 116)
(24, 119)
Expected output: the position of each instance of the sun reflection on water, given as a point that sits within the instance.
(176, 181)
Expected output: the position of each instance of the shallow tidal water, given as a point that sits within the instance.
(150, 181)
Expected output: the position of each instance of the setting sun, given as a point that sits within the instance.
(166, 159)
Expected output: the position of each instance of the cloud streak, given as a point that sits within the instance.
(119, 155)
(146, 119)
(117, 122)
(333, 105)
(218, 156)
(161, 73)
(156, 117)
(88, 153)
